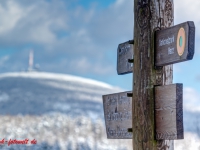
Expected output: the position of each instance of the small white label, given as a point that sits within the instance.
(170, 51)
(166, 41)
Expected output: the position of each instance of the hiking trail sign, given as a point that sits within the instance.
(175, 44)
(172, 45)
(153, 117)
(118, 115)
(125, 57)
(169, 112)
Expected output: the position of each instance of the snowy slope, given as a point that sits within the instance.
(66, 108)
(59, 111)
(38, 93)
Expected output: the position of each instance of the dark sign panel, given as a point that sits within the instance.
(118, 115)
(169, 112)
(124, 54)
(175, 44)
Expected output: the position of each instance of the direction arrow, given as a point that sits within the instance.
(118, 115)
(125, 58)
(169, 112)
(175, 44)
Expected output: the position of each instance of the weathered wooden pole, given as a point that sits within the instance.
(149, 16)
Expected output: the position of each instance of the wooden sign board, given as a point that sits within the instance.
(118, 115)
(124, 53)
(169, 112)
(175, 44)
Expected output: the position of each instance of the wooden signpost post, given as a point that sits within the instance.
(155, 118)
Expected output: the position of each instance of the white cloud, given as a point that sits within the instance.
(85, 66)
(30, 23)
(9, 15)
(187, 11)
(191, 99)
(190, 142)
(38, 22)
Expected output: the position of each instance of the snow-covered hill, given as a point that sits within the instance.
(59, 111)
(37, 93)
(64, 112)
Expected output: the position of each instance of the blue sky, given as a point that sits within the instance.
(80, 37)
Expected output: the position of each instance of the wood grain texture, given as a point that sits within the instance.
(118, 115)
(149, 16)
(169, 112)
(166, 44)
(124, 52)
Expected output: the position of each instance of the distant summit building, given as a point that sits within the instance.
(31, 66)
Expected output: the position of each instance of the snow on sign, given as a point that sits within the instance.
(118, 115)
(125, 58)
(175, 44)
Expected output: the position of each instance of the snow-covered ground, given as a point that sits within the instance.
(58, 131)
(65, 112)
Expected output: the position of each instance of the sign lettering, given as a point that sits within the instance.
(118, 115)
